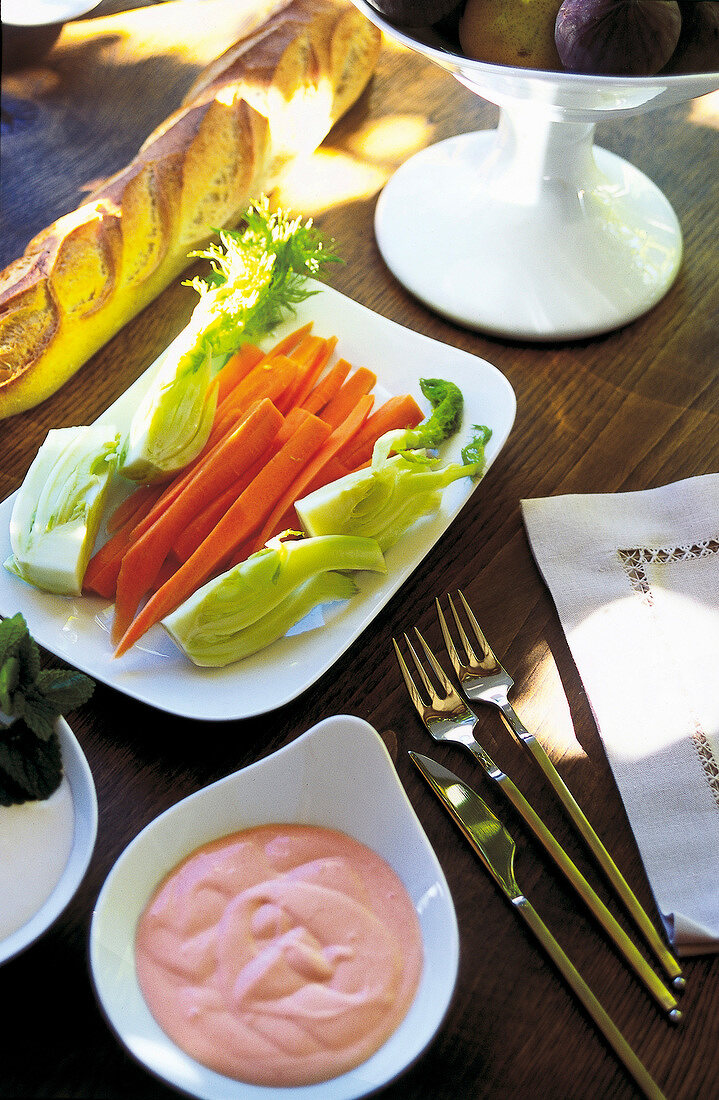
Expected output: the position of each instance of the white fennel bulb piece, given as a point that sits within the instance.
(59, 506)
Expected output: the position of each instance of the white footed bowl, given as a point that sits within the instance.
(530, 231)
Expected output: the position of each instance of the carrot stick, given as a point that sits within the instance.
(357, 385)
(270, 378)
(144, 558)
(309, 381)
(194, 533)
(236, 368)
(102, 569)
(132, 506)
(310, 357)
(170, 490)
(311, 477)
(239, 522)
(308, 349)
(104, 565)
(169, 566)
(327, 387)
(287, 344)
(396, 412)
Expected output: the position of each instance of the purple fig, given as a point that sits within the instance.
(617, 37)
(698, 46)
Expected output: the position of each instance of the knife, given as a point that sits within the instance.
(496, 849)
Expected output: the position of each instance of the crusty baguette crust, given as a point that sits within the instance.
(272, 95)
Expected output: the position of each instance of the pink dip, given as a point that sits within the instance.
(282, 955)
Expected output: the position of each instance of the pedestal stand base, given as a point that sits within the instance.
(529, 232)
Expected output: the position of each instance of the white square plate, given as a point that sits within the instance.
(155, 671)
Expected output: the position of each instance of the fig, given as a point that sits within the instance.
(413, 13)
(617, 37)
(698, 46)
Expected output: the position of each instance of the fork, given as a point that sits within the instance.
(448, 718)
(484, 680)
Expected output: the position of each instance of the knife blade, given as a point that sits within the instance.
(496, 849)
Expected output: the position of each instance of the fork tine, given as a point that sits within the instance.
(471, 655)
(488, 652)
(429, 686)
(439, 671)
(448, 640)
(411, 686)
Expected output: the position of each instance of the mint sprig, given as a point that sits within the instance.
(31, 701)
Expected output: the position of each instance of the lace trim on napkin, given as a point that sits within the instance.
(635, 563)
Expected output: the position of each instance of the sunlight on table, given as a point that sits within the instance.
(705, 111)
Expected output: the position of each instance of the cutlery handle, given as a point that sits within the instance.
(655, 986)
(577, 983)
(669, 964)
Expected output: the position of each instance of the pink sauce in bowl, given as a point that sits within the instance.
(283, 955)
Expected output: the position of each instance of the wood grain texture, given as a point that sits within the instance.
(633, 409)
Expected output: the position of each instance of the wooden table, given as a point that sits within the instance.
(630, 410)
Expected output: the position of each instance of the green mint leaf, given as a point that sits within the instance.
(40, 715)
(11, 633)
(29, 657)
(30, 755)
(64, 689)
(29, 769)
(9, 680)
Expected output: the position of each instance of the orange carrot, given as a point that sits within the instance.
(311, 350)
(172, 489)
(169, 566)
(193, 534)
(396, 412)
(144, 558)
(357, 385)
(270, 378)
(236, 368)
(308, 381)
(313, 475)
(104, 565)
(168, 491)
(287, 344)
(132, 506)
(238, 524)
(308, 348)
(327, 387)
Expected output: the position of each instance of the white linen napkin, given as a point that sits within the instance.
(635, 579)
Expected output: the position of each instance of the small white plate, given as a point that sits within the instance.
(155, 671)
(84, 800)
(338, 775)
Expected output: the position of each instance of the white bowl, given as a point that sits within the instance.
(40, 13)
(530, 231)
(338, 775)
(84, 800)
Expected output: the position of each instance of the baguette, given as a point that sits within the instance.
(273, 95)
